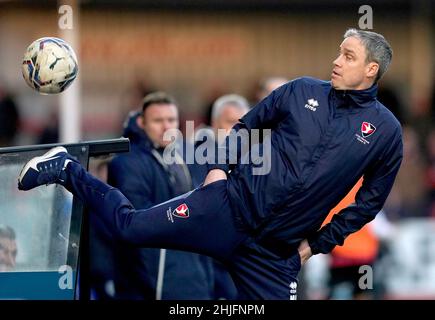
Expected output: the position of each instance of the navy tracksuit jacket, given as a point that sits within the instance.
(323, 140)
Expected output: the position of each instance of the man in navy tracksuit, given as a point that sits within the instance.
(325, 136)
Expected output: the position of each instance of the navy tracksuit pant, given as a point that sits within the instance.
(200, 221)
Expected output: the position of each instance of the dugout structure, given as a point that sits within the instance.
(50, 225)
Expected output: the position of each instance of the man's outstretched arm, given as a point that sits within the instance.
(370, 199)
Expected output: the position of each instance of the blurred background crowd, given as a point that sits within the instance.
(200, 50)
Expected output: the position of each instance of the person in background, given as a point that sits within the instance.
(267, 85)
(9, 119)
(360, 248)
(225, 112)
(8, 248)
(146, 180)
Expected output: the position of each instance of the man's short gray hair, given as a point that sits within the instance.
(229, 99)
(377, 48)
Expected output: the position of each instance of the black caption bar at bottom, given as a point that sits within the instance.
(216, 309)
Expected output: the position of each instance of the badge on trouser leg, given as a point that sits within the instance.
(182, 211)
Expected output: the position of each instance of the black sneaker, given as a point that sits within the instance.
(45, 169)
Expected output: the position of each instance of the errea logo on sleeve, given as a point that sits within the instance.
(312, 104)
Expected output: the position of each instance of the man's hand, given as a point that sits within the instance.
(304, 251)
(215, 175)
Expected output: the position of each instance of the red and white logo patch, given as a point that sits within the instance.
(367, 129)
(182, 211)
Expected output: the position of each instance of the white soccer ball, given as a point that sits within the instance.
(49, 65)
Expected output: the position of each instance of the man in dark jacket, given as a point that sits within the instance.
(266, 223)
(146, 180)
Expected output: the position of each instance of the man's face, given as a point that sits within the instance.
(351, 71)
(157, 119)
(229, 116)
(8, 254)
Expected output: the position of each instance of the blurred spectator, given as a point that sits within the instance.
(266, 86)
(388, 97)
(132, 97)
(146, 179)
(8, 248)
(432, 111)
(213, 93)
(101, 245)
(360, 248)
(227, 110)
(50, 134)
(225, 113)
(430, 175)
(9, 119)
(409, 197)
